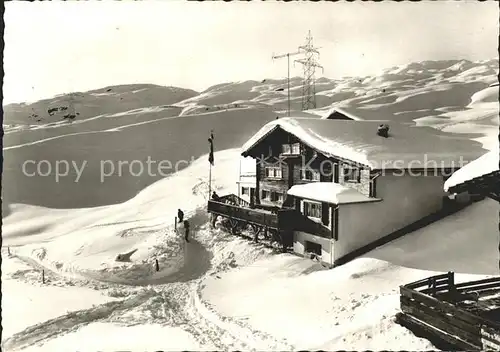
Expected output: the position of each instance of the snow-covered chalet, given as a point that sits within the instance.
(333, 188)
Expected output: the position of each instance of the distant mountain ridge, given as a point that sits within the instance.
(82, 105)
(140, 121)
(352, 92)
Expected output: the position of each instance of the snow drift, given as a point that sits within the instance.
(240, 285)
(85, 242)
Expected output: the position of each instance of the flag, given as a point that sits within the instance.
(211, 154)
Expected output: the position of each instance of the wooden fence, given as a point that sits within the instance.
(234, 199)
(452, 315)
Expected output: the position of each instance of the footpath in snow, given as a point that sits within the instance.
(352, 307)
(77, 248)
(218, 292)
(86, 242)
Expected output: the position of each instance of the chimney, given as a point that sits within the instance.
(383, 130)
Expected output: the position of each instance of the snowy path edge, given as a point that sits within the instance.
(254, 338)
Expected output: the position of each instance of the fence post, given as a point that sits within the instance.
(451, 281)
(8, 251)
(43, 276)
(157, 265)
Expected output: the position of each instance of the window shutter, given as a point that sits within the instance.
(325, 214)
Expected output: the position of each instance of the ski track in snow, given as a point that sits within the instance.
(110, 130)
(180, 305)
(174, 300)
(52, 138)
(70, 322)
(187, 316)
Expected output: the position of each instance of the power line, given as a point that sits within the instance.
(287, 55)
(309, 64)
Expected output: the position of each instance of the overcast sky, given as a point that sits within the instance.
(57, 47)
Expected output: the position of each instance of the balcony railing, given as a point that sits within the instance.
(285, 219)
(244, 213)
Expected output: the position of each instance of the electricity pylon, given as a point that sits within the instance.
(309, 64)
(287, 55)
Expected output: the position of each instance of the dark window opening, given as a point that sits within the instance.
(314, 248)
(325, 214)
(312, 209)
(293, 148)
(276, 197)
(351, 174)
(309, 175)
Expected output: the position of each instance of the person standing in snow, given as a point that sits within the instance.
(215, 196)
(186, 230)
(180, 215)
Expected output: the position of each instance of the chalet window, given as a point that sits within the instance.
(293, 148)
(309, 175)
(266, 195)
(312, 209)
(276, 197)
(273, 172)
(280, 197)
(245, 191)
(352, 174)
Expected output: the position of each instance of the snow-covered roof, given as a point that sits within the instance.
(340, 111)
(408, 147)
(329, 192)
(484, 165)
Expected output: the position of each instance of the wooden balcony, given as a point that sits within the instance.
(244, 213)
(284, 219)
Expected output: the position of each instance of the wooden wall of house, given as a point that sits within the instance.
(271, 183)
(317, 162)
(268, 151)
(272, 145)
(267, 155)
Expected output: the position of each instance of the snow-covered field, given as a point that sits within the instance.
(230, 293)
(221, 292)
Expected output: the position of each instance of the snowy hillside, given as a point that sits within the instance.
(455, 96)
(198, 292)
(80, 106)
(218, 292)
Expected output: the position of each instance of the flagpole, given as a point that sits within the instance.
(210, 160)
(209, 181)
(239, 180)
